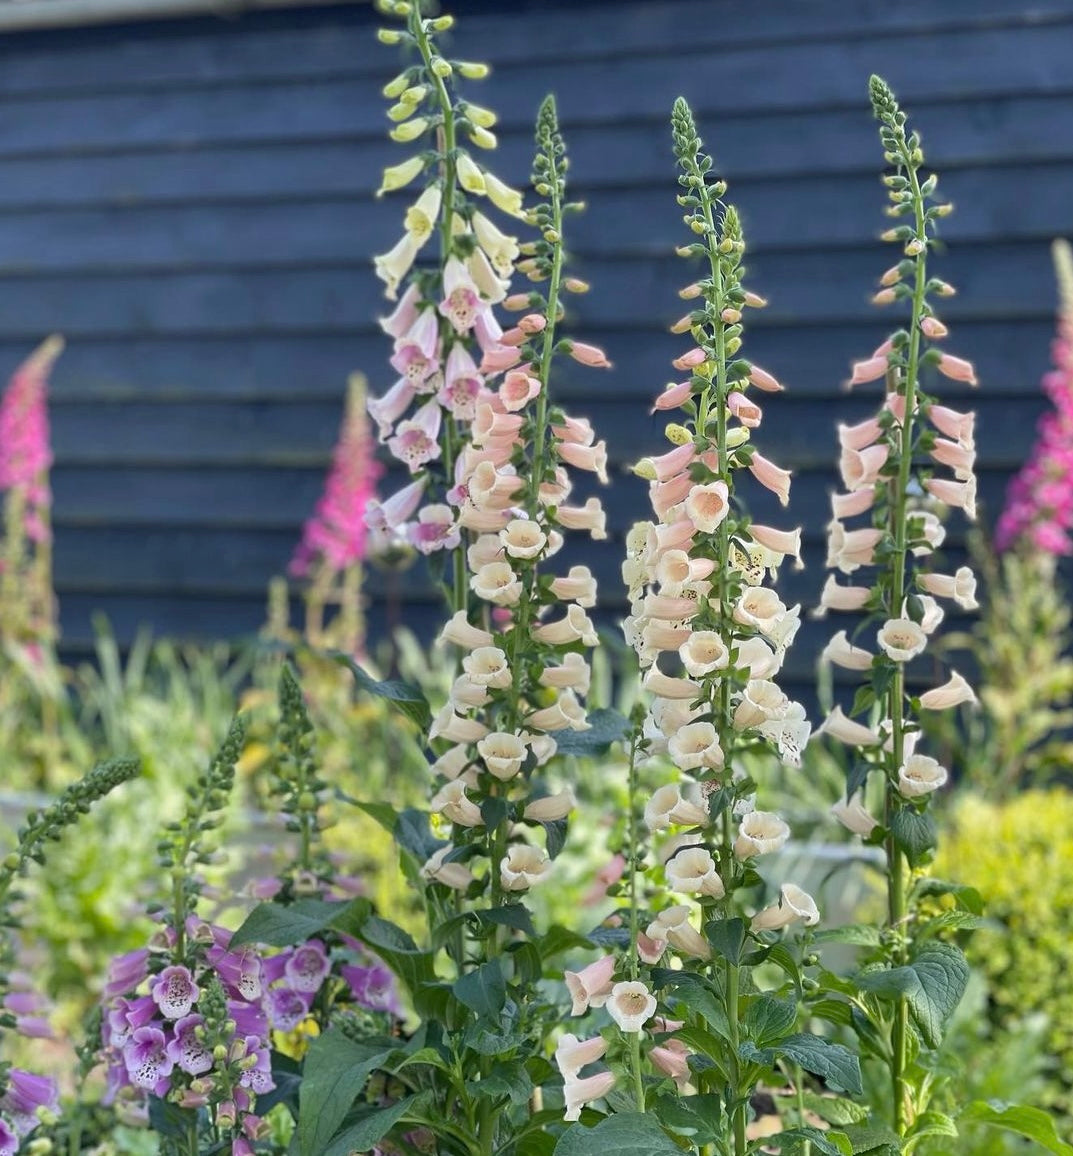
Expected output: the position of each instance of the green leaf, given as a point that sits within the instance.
(697, 995)
(624, 1134)
(483, 990)
(967, 897)
(835, 1109)
(700, 1118)
(508, 1081)
(1032, 1123)
(873, 1139)
(555, 836)
(932, 1124)
(370, 1128)
(932, 984)
(398, 950)
(767, 1019)
(514, 915)
(727, 937)
(780, 955)
(409, 699)
(606, 727)
(856, 776)
(412, 833)
(282, 925)
(384, 813)
(793, 1141)
(914, 832)
(559, 939)
(169, 1120)
(837, 1065)
(335, 1071)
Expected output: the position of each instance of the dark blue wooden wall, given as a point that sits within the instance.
(190, 203)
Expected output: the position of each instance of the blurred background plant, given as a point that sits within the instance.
(1021, 642)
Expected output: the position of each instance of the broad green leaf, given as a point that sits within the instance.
(727, 937)
(932, 1124)
(412, 833)
(536, 1144)
(483, 990)
(555, 836)
(872, 1140)
(514, 915)
(282, 925)
(171, 1121)
(1032, 1123)
(914, 832)
(384, 813)
(967, 897)
(335, 1071)
(372, 1127)
(606, 727)
(398, 950)
(838, 1066)
(767, 1019)
(409, 699)
(559, 939)
(507, 1081)
(697, 995)
(780, 955)
(793, 1141)
(700, 1118)
(836, 1110)
(624, 1134)
(932, 984)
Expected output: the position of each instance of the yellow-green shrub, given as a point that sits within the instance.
(1019, 855)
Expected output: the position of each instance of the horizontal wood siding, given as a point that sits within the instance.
(191, 204)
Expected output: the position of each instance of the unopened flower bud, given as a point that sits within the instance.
(576, 285)
(219, 1053)
(730, 316)
(884, 297)
(409, 130)
(389, 36)
(690, 291)
(678, 434)
(943, 210)
(471, 69)
(482, 138)
(732, 346)
(395, 88)
(944, 289)
(441, 67)
(915, 247)
(442, 23)
(737, 436)
(754, 300)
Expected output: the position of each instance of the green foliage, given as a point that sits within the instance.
(1021, 646)
(1019, 856)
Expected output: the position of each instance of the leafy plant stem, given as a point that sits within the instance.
(632, 856)
(896, 861)
(635, 1069)
(737, 1110)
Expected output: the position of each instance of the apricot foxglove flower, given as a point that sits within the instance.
(631, 1005)
(591, 986)
(523, 866)
(692, 871)
(920, 775)
(793, 906)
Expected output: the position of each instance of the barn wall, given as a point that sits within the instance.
(190, 203)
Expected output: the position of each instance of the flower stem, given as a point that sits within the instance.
(897, 882)
(635, 1067)
(632, 960)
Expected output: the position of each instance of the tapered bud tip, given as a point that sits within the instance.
(388, 35)
(754, 300)
(576, 285)
(472, 69)
(645, 469)
(689, 292)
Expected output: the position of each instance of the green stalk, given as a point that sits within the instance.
(632, 960)
(635, 1069)
(897, 866)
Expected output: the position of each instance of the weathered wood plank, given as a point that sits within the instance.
(946, 65)
(305, 367)
(209, 236)
(269, 46)
(797, 429)
(999, 282)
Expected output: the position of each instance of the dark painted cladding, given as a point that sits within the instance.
(190, 202)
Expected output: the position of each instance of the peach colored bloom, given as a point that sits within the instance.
(574, 673)
(459, 631)
(590, 517)
(667, 808)
(901, 639)
(517, 389)
(761, 832)
(961, 586)
(960, 495)
(672, 925)
(958, 457)
(522, 867)
(860, 468)
(857, 437)
(871, 369)
(785, 542)
(763, 380)
(690, 359)
(454, 875)
(957, 368)
(667, 686)
(572, 1054)
(953, 424)
(857, 502)
(589, 355)
(707, 506)
(575, 429)
(843, 653)
(847, 731)
(591, 986)
(673, 396)
(853, 815)
(794, 906)
(746, 411)
(848, 550)
(774, 478)
(577, 1093)
(574, 626)
(920, 775)
(836, 597)
(550, 808)
(932, 327)
(953, 692)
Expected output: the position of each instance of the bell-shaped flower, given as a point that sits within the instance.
(452, 802)
(573, 1054)
(901, 639)
(953, 692)
(502, 753)
(760, 833)
(840, 651)
(667, 807)
(692, 871)
(578, 1093)
(920, 775)
(631, 1005)
(695, 745)
(497, 583)
(393, 265)
(838, 726)
(591, 986)
(522, 867)
(794, 906)
(550, 808)
(854, 816)
(454, 875)
(672, 926)
(175, 992)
